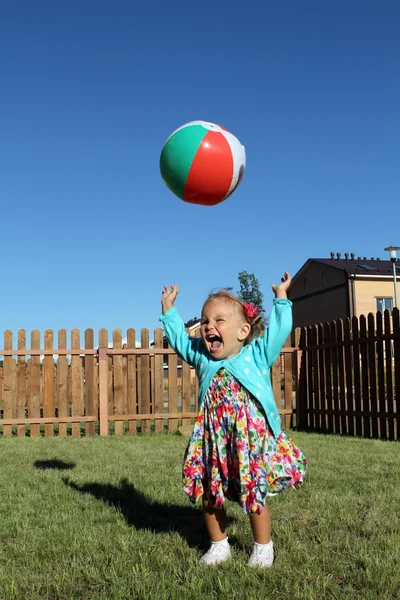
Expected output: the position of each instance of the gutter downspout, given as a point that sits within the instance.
(351, 279)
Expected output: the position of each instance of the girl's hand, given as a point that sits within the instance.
(168, 297)
(280, 290)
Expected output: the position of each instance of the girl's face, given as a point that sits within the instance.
(223, 330)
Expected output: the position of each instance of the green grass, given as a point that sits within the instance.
(115, 524)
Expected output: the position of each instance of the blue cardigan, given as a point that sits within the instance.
(251, 367)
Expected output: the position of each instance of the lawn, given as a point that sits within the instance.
(107, 519)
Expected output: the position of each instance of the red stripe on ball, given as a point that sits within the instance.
(211, 171)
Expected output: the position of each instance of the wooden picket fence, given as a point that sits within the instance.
(341, 377)
(349, 376)
(113, 388)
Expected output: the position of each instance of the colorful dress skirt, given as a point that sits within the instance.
(232, 453)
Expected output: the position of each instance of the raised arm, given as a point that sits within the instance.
(168, 297)
(184, 345)
(280, 290)
(280, 321)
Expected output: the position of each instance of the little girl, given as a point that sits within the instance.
(237, 450)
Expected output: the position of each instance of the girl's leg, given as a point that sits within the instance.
(263, 550)
(215, 520)
(261, 526)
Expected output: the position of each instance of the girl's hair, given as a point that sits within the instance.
(256, 321)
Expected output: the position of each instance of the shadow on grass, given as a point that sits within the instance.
(54, 463)
(142, 513)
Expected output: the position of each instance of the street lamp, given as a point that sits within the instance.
(393, 256)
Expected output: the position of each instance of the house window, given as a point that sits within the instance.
(324, 278)
(305, 284)
(383, 304)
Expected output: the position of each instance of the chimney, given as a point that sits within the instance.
(338, 255)
(358, 257)
(332, 255)
(365, 258)
(346, 255)
(377, 258)
(352, 256)
(372, 258)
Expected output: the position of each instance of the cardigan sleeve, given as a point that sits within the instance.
(279, 327)
(185, 346)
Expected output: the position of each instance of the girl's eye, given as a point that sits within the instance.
(220, 320)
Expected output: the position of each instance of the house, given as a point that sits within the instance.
(325, 289)
(193, 327)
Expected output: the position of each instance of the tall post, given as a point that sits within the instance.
(393, 258)
(103, 388)
(396, 300)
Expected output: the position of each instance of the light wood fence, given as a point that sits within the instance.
(75, 389)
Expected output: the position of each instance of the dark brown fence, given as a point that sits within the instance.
(349, 376)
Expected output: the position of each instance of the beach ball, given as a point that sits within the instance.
(202, 163)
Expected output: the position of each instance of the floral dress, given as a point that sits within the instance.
(235, 452)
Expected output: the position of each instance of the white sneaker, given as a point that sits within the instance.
(218, 552)
(262, 555)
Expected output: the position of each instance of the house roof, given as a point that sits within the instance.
(373, 266)
(354, 265)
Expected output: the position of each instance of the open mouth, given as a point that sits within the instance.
(215, 342)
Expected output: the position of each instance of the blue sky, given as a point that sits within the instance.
(90, 91)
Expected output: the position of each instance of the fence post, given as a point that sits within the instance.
(296, 366)
(103, 388)
(301, 392)
(288, 383)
